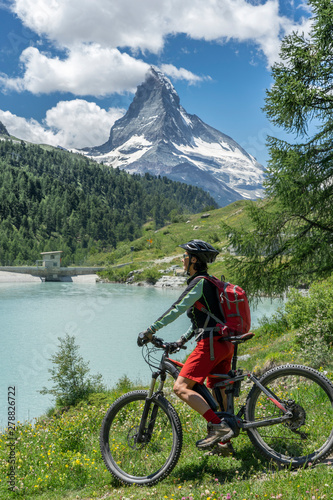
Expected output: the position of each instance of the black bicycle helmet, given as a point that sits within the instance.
(202, 250)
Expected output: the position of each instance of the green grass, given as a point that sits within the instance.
(58, 458)
(165, 241)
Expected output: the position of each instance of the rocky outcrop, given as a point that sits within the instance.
(171, 281)
(3, 130)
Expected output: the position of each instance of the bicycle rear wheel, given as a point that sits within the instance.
(308, 436)
(147, 460)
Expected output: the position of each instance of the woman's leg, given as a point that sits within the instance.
(217, 430)
(183, 389)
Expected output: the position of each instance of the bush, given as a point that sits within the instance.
(121, 250)
(124, 384)
(150, 275)
(138, 245)
(70, 375)
(116, 274)
(303, 309)
(312, 314)
(313, 342)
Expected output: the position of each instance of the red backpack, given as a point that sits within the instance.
(234, 307)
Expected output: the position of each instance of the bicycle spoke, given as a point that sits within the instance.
(142, 458)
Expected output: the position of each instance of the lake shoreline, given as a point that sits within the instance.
(11, 277)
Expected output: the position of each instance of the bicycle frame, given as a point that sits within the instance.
(230, 383)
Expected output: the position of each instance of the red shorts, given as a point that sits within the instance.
(198, 365)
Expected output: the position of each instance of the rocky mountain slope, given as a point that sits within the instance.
(158, 136)
(3, 130)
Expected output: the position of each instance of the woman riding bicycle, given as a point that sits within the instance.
(210, 354)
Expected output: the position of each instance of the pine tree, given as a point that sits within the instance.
(291, 239)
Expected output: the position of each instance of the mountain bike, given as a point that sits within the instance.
(287, 414)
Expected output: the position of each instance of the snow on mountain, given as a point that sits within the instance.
(158, 136)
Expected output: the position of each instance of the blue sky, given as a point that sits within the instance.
(69, 68)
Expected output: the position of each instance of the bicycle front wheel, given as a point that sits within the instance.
(307, 437)
(135, 455)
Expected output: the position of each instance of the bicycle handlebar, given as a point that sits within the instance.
(158, 342)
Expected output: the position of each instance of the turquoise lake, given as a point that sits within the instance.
(105, 319)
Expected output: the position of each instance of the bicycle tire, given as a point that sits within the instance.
(308, 437)
(140, 463)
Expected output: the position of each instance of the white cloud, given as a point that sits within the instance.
(21, 128)
(70, 124)
(240, 21)
(182, 74)
(144, 24)
(88, 70)
(113, 23)
(93, 32)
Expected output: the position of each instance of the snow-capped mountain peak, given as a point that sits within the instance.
(158, 136)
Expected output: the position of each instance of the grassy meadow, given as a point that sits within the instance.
(57, 456)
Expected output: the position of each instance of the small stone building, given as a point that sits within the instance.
(51, 259)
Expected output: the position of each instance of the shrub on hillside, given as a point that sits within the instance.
(312, 314)
(303, 309)
(116, 274)
(314, 344)
(150, 275)
(70, 375)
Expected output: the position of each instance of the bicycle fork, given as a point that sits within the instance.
(145, 431)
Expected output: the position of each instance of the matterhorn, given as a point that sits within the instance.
(158, 136)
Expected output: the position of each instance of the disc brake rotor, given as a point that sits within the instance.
(298, 418)
(132, 439)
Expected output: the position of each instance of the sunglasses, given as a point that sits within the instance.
(184, 256)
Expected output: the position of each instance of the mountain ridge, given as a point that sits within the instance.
(158, 136)
(3, 130)
(53, 199)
